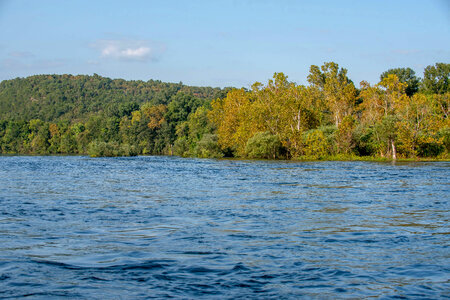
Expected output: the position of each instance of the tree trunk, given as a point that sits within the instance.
(394, 151)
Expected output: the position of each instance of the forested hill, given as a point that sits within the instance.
(402, 116)
(67, 97)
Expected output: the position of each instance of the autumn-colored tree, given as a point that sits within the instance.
(405, 75)
(100, 116)
(286, 110)
(155, 115)
(420, 121)
(316, 144)
(235, 120)
(280, 108)
(345, 136)
(380, 106)
(271, 101)
(338, 92)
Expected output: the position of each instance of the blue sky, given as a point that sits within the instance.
(220, 43)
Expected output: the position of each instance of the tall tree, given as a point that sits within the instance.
(419, 122)
(338, 91)
(436, 79)
(380, 107)
(405, 75)
(235, 120)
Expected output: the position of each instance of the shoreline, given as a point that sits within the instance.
(298, 159)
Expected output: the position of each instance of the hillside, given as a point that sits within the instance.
(67, 97)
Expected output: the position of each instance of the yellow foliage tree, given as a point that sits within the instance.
(338, 92)
(420, 119)
(155, 115)
(233, 117)
(380, 107)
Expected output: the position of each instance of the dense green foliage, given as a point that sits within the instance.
(264, 145)
(49, 114)
(402, 116)
(436, 79)
(66, 97)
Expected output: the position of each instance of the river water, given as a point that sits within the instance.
(143, 227)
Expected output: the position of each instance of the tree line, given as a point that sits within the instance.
(402, 116)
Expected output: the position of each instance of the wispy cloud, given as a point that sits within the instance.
(26, 60)
(129, 50)
(406, 51)
(39, 64)
(21, 54)
(93, 62)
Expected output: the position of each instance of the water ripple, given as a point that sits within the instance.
(166, 227)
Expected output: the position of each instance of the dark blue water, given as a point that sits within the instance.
(143, 227)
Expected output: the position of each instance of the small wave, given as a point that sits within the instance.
(146, 265)
(202, 253)
(196, 270)
(325, 186)
(45, 295)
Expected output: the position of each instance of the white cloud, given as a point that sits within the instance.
(132, 50)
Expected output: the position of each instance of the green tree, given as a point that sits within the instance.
(264, 145)
(345, 140)
(55, 138)
(405, 75)
(196, 136)
(208, 147)
(436, 79)
(39, 136)
(316, 144)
